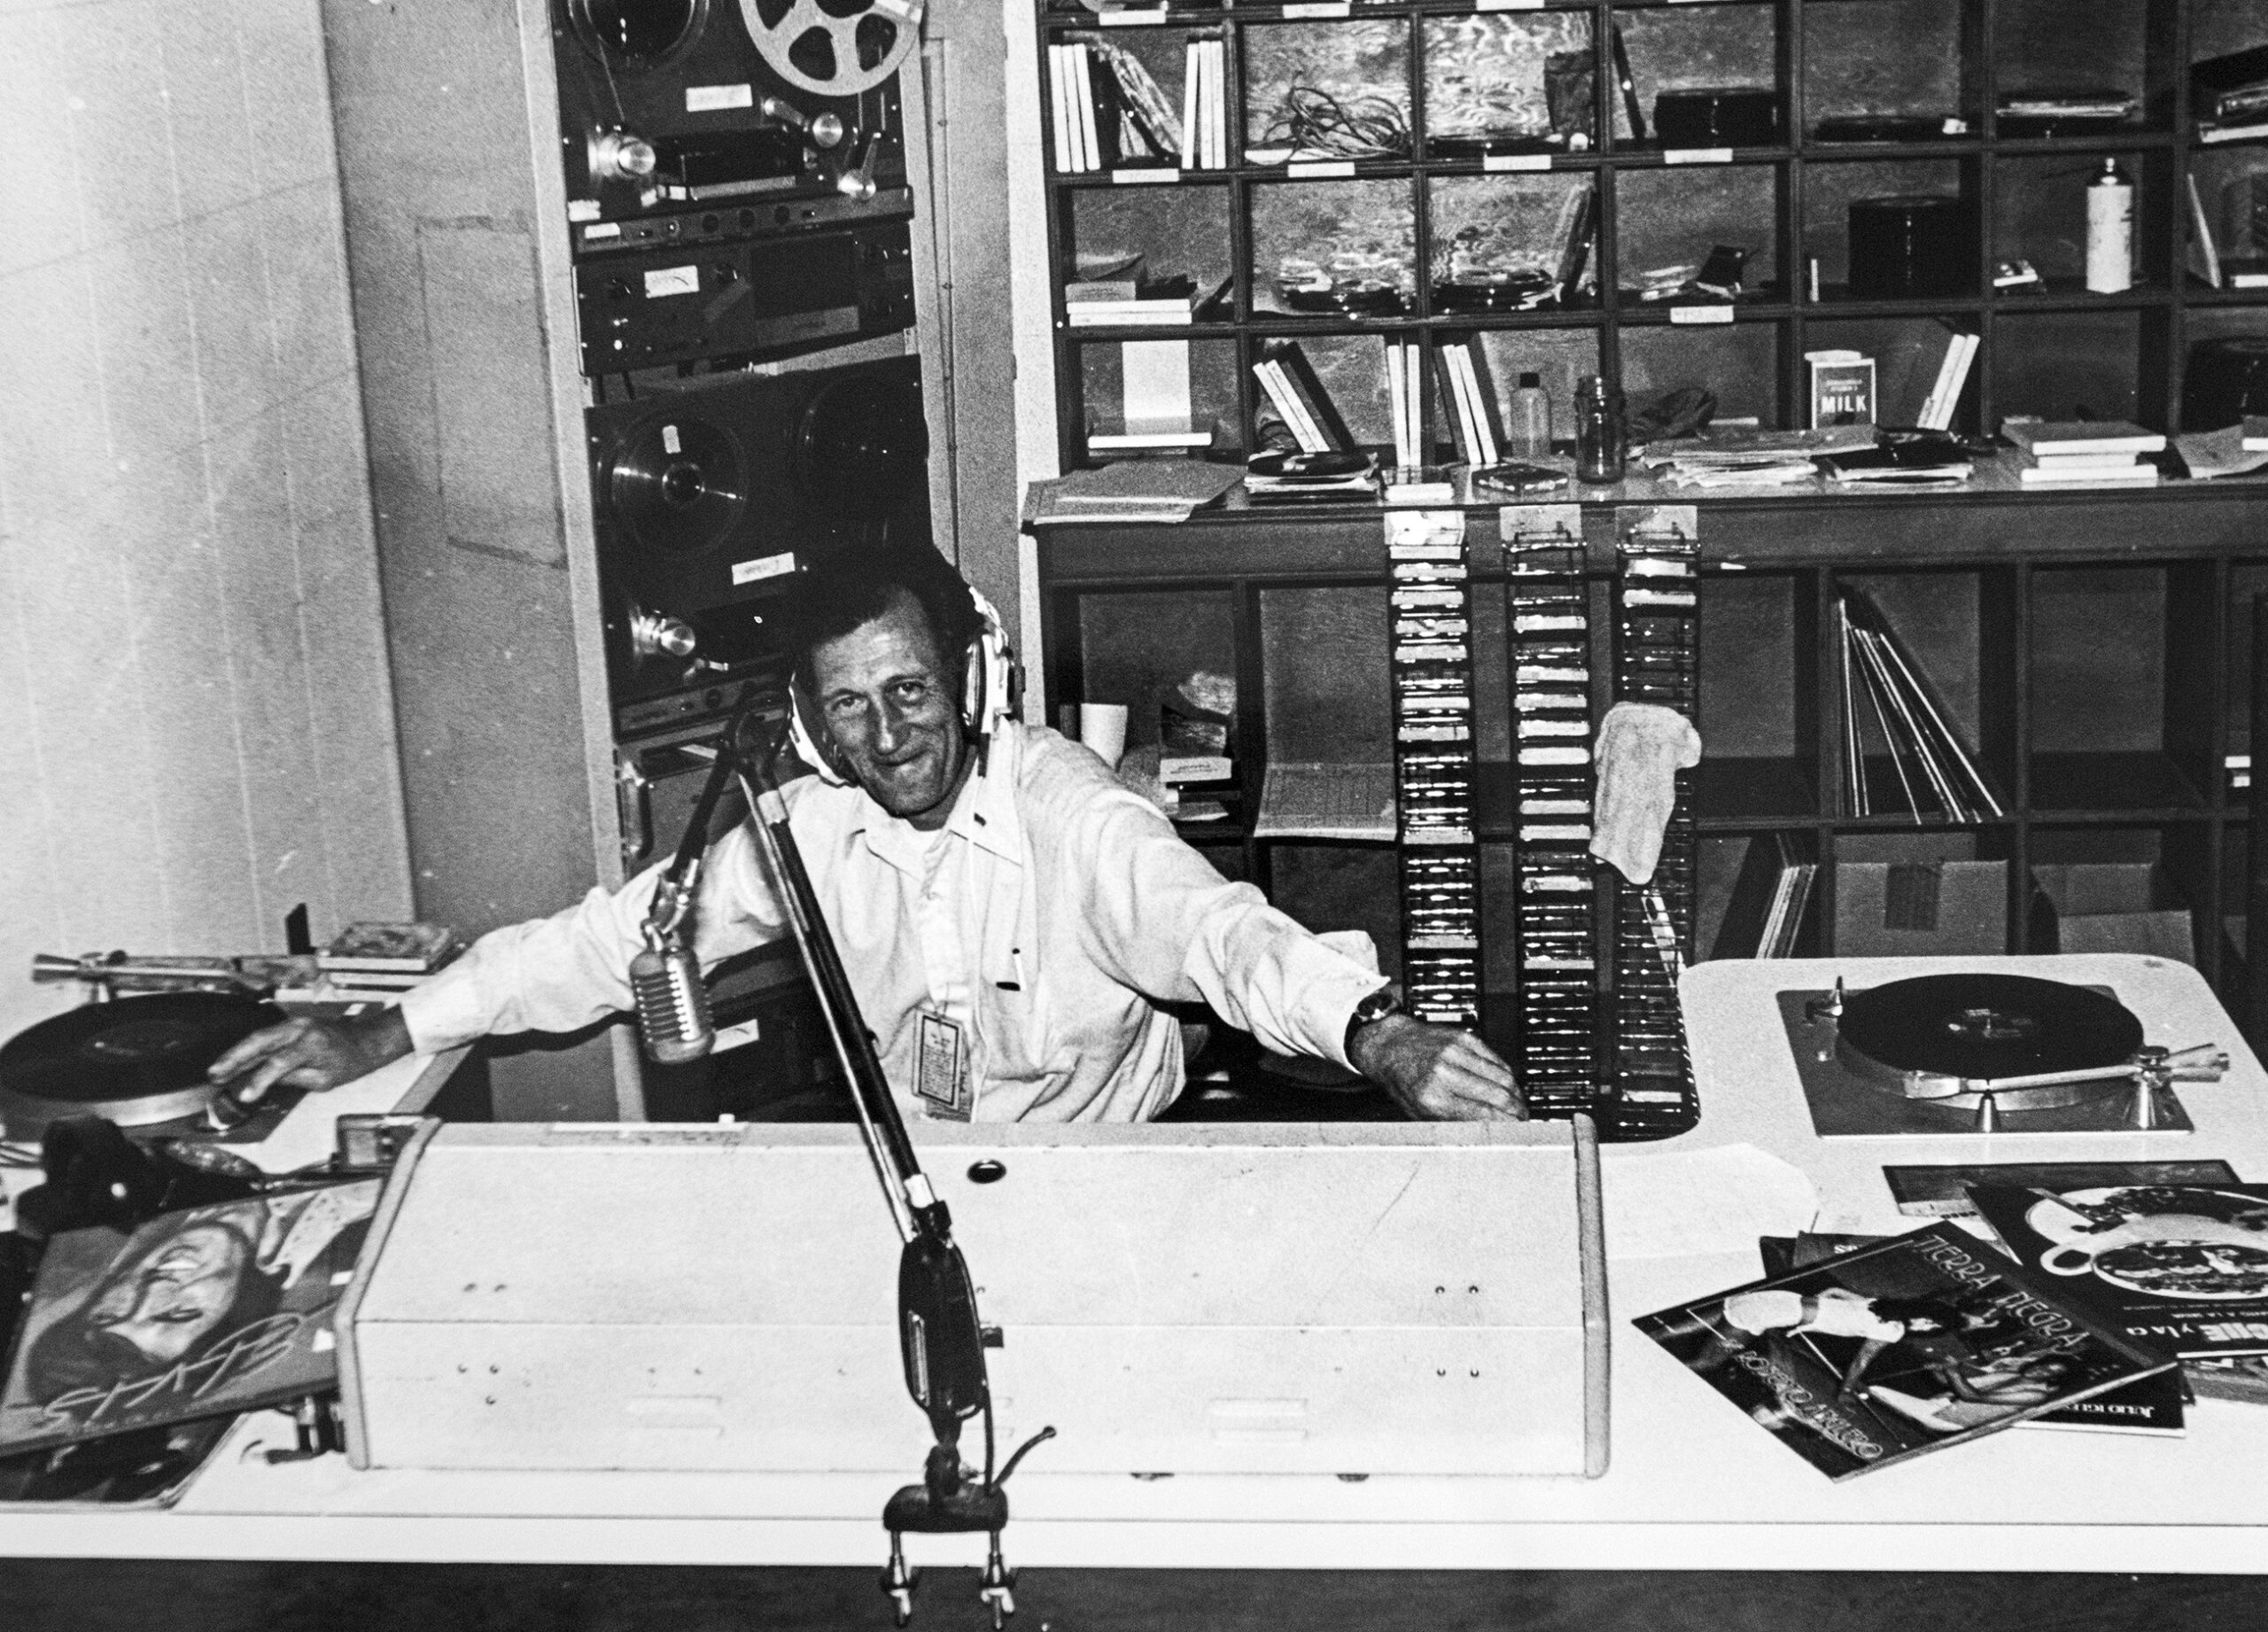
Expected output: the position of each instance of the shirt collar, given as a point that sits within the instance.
(984, 815)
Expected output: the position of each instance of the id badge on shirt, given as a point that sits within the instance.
(942, 1079)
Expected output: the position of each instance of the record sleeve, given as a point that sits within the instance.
(1896, 1350)
(197, 1314)
(1942, 1192)
(2181, 1267)
(2157, 1404)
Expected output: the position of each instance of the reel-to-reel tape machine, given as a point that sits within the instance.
(735, 110)
(710, 499)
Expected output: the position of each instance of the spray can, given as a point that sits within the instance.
(2110, 231)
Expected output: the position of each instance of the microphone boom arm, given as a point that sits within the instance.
(941, 1341)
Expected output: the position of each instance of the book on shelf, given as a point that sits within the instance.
(1153, 438)
(2204, 253)
(1892, 1351)
(1883, 699)
(2063, 438)
(1204, 109)
(1317, 409)
(1116, 302)
(2060, 474)
(1401, 376)
(1952, 374)
(1059, 109)
(2184, 1267)
(1473, 418)
(1096, 150)
(2244, 130)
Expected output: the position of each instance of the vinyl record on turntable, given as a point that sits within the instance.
(134, 1061)
(1976, 1027)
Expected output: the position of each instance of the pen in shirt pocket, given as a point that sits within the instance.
(1016, 957)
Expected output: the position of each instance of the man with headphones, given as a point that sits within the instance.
(1010, 917)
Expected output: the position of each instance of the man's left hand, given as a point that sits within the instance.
(1437, 1073)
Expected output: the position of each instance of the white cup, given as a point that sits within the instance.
(1102, 727)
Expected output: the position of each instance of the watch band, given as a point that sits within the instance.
(1374, 1008)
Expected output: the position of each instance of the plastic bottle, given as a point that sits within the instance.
(2110, 231)
(1528, 425)
(1599, 450)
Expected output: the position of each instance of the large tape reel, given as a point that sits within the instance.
(833, 48)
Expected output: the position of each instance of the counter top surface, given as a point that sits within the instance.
(1692, 1483)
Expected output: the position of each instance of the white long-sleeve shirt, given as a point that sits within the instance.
(1047, 919)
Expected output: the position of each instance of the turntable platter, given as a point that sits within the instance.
(1987, 1027)
(135, 1060)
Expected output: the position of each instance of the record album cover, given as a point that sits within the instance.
(196, 1313)
(2181, 1267)
(1897, 1349)
(1942, 1192)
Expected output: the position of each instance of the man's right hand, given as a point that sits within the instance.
(311, 1053)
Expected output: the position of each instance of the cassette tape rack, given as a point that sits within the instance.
(1599, 1026)
(1431, 601)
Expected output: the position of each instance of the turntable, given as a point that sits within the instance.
(138, 1061)
(1984, 1054)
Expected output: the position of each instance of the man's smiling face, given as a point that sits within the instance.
(892, 708)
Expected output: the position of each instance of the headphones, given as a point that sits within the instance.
(992, 684)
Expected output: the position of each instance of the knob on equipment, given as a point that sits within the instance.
(620, 156)
(827, 130)
(857, 181)
(657, 635)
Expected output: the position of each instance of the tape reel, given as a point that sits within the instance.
(822, 47)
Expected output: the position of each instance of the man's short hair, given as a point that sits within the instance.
(853, 589)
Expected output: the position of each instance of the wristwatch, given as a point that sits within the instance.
(1369, 1011)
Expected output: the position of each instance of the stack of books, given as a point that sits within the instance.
(2230, 95)
(1889, 711)
(1118, 302)
(2083, 453)
(384, 957)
